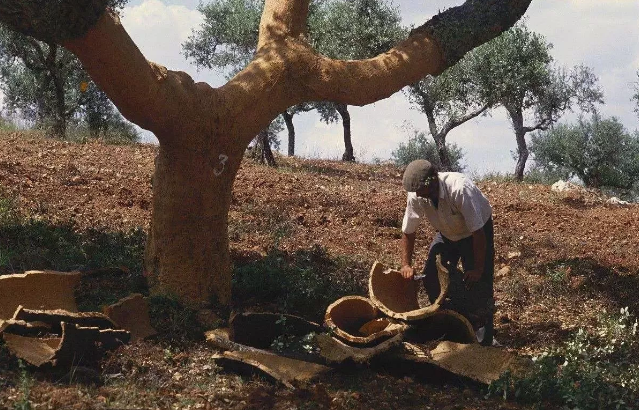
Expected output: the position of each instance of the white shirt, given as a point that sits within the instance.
(462, 208)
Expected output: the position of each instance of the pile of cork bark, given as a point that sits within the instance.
(40, 322)
(389, 328)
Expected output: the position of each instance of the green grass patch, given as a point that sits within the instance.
(596, 369)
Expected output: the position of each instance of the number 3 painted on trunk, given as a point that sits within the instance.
(218, 171)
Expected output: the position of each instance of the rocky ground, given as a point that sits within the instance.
(562, 258)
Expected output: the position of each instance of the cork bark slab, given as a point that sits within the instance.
(334, 350)
(396, 297)
(356, 320)
(38, 290)
(261, 329)
(221, 338)
(443, 324)
(36, 351)
(132, 314)
(483, 364)
(76, 345)
(22, 328)
(282, 369)
(54, 318)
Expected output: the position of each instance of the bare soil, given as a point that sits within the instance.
(562, 259)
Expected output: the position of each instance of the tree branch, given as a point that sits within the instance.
(460, 29)
(282, 18)
(429, 49)
(147, 94)
(459, 121)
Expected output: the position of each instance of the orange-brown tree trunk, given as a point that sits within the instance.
(187, 250)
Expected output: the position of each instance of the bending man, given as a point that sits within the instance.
(462, 216)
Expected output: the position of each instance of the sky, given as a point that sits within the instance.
(600, 34)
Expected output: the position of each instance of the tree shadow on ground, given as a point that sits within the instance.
(111, 262)
(617, 286)
(303, 282)
(516, 335)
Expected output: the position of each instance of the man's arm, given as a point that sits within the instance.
(479, 256)
(408, 245)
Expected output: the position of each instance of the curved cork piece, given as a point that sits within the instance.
(335, 351)
(397, 297)
(443, 324)
(483, 364)
(356, 320)
(282, 369)
(76, 343)
(132, 314)
(38, 290)
(55, 317)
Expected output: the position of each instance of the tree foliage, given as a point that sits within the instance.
(598, 151)
(47, 86)
(448, 101)
(518, 71)
(635, 97)
(419, 147)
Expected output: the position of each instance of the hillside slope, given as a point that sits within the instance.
(562, 257)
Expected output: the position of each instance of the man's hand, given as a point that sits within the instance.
(473, 275)
(407, 272)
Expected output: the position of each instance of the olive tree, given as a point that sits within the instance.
(204, 131)
(419, 147)
(518, 71)
(635, 97)
(598, 151)
(448, 101)
(46, 85)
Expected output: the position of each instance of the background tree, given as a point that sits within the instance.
(261, 148)
(352, 30)
(636, 95)
(203, 131)
(518, 71)
(448, 101)
(100, 117)
(419, 147)
(344, 29)
(600, 152)
(47, 86)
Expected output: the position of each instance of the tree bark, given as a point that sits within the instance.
(348, 155)
(266, 154)
(204, 131)
(442, 151)
(517, 119)
(288, 120)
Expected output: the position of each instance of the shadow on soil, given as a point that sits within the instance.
(617, 286)
(111, 261)
(304, 282)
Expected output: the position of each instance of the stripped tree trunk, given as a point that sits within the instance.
(517, 119)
